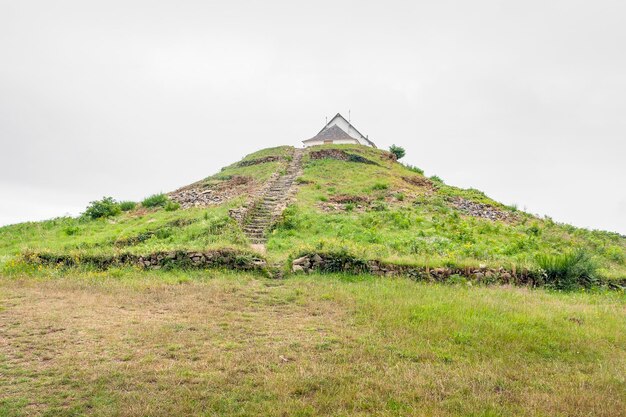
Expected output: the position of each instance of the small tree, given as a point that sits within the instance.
(398, 151)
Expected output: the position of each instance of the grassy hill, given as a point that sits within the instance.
(351, 200)
(87, 328)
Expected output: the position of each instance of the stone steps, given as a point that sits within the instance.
(260, 219)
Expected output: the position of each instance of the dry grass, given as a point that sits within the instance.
(239, 345)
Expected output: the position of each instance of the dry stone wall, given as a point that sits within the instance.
(325, 262)
(222, 258)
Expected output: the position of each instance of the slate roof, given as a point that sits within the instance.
(332, 133)
(329, 133)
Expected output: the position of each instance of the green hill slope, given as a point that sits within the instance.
(352, 200)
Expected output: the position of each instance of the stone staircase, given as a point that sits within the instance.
(273, 201)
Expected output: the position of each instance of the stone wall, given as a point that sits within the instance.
(220, 258)
(329, 262)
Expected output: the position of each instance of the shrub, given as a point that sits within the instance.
(127, 205)
(380, 186)
(399, 196)
(107, 207)
(155, 200)
(435, 178)
(171, 205)
(398, 151)
(534, 230)
(569, 270)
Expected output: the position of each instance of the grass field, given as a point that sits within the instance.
(204, 343)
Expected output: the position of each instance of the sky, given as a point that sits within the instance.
(525, 101)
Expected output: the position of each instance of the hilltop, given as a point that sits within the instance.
(354, 206)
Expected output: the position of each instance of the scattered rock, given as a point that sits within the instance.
(202, 194)
(485, 211)
(301, 261)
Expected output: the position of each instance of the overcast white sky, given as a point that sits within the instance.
(523, 100)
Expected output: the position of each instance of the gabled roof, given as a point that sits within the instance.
(332, 133)
(338, 115)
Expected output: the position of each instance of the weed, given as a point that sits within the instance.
(71, 230)
(379, 186)
(569, 270)
(171, 205)
(414, 169)
(127, 205)
(155, 200)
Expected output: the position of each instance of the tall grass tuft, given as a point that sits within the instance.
(569, 270)
(156, 200)
(127, 205)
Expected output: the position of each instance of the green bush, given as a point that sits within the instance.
(156, 200)
(107, 207)
(398, 151)
(171, 205)
(127, 205)
(568, 270)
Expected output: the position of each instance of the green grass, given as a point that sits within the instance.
(421, 228)
(386, 211)
(260, 172)
(218, 343)
(127, 342)
(134, 232)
